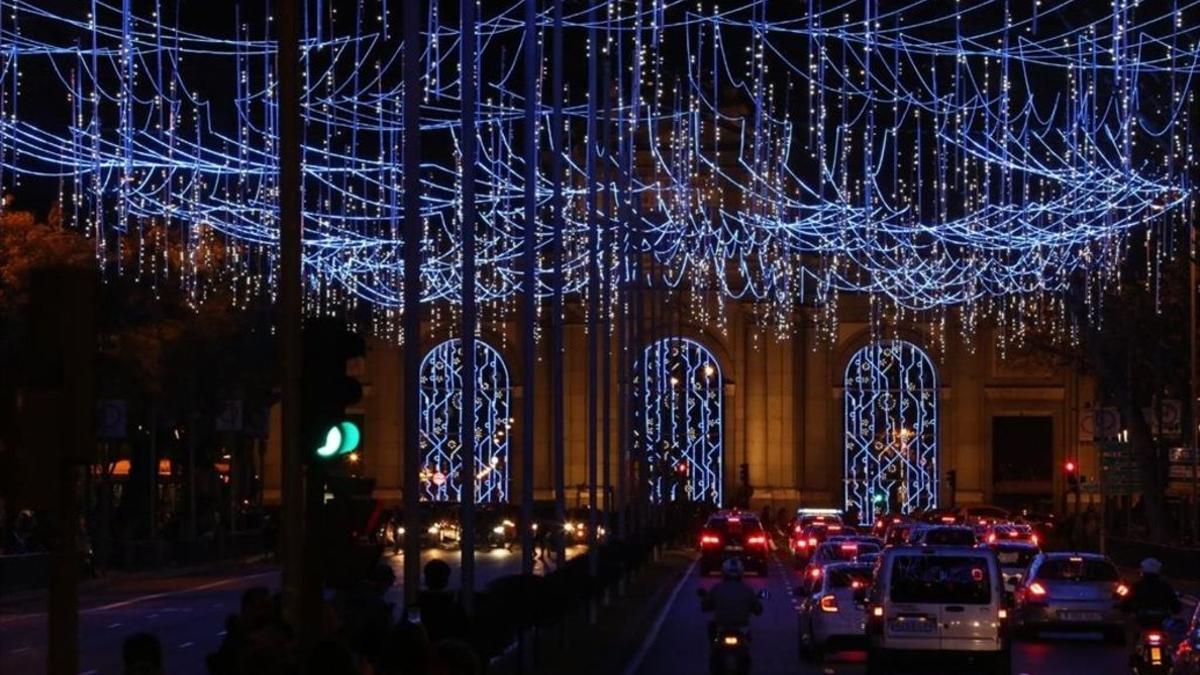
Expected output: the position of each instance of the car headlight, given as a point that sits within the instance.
(499, 529)
(399, 530)
(568, 527)
(434, 529)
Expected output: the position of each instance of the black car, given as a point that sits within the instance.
(733, 534)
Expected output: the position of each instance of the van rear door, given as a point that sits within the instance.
(947, 596)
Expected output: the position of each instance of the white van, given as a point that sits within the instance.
(927, 600)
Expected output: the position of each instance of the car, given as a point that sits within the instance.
(897, 533)
(830, 615)
(804, 542)
(948, 600)
(1011, 532)
(732, 534)
(1065, 591)
(1014, 558)
(868, 558)
(982, 514)
(1186, 660)
(846, 550)
(883, 522)
(941, 535)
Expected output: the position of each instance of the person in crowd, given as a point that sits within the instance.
(142, 655)
(367, 615)
(405, 651)
(441, 613)
(454, 657)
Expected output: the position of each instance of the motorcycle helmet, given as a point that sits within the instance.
(1151, 566)
(732, 569)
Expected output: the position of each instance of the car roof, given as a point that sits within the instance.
(1062, 555)
(938, 550)
(1014, 545)
(847, 565)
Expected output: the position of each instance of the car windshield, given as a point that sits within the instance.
(845, 550)
(1077, 569)
(949, 537)
(1010, 556)
(942, 579)
(846, 577)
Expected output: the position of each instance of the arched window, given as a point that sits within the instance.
(441, 418)
(681, 403)
(891, 430)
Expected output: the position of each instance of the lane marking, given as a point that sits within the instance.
(144, 598)
(652, 636)
(185, 645)
(89, 672)
(117, 624)
(19, 650)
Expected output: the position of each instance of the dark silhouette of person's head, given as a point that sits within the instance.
(437, 575)
(256, 606)
(405, 652)
(454, 657)
(142, 654)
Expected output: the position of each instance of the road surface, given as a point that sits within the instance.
(186, 610)
(678, 643)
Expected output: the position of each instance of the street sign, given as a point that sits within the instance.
(1119, 471)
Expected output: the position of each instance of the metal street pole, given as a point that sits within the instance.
(411, 320)
(300, 606)
(467, 405)
(1195, 450)
(593, 293)
(557, 403)
(529, 285)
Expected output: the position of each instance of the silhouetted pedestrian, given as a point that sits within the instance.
(441, 613)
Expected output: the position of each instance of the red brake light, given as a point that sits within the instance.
(734, 520)
(1036, 590)
(709, 539)
(856, 585)
(797, 529)
(802, 544)
(835, 528)
(757, 540)
(1034, 539)
(1121, 591)
(947, 519)
(815, 573)
(1152, 637)
(849, 548)
(992, 538)
(829, 604)
(812, 541)
(1013, 533)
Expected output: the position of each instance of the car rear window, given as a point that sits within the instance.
(1010, 556)
(849, 576)
(1077, 569)
(941, 579)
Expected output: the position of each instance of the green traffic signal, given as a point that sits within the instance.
(341, 439)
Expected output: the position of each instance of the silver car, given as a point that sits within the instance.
(1071, 592)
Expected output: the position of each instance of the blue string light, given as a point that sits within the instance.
(974, 158)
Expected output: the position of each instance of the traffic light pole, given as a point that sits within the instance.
(301, 600)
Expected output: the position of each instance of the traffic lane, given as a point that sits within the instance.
(681, 644)
(187, 613)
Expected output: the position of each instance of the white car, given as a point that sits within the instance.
(944, 599)
(832, 615)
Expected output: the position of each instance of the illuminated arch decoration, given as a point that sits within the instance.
(891, 429)
(680, 427)
(441, 418)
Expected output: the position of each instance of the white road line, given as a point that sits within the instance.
(89, 672)
(118, 624)
(185, 645)
(640, 656)
(144, 598)
(19, 650)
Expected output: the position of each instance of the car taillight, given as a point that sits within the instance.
(709, 540)
(812, 541)
(802, 544)
(1037, 590)
(757, 540)
(1034, 540)
(1120, 591)
(991, 538)
(815, 573)
(797, 530)
(877, 612)
(731, 640)
(1154, 637)
(829, 604)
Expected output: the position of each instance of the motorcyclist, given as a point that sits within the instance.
(1151, 599)
(731, 601)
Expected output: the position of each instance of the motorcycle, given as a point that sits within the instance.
(729, 646)
(1155, 645)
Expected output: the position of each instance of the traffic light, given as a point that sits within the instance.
(326, 390)
(1071, 470)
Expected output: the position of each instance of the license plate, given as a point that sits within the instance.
(907, 625)
(733, 548)
(1155, 655)
(1079, 616)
